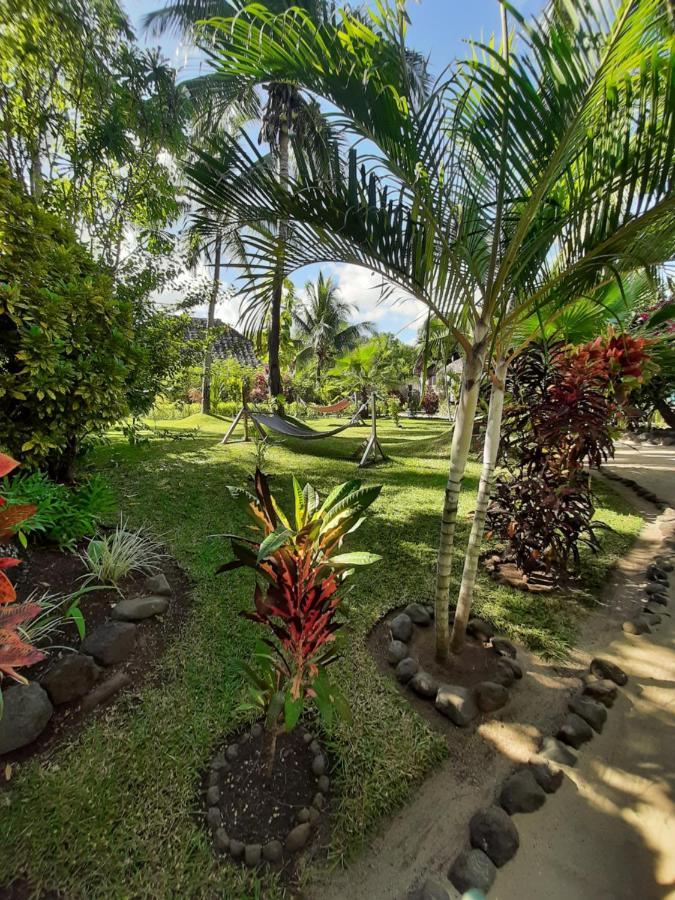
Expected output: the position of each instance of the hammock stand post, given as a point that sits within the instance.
(242, 416)
(373, 444)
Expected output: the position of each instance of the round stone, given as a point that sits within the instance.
(256, 730)
(213, 796)
(314, 816)
(298, 837)
(504, 647)
(424, 685)
(491, 696)
(554, 751)
(401, 628)
(308, 737)
(273, 851)
(252, 854)
(603, 668)
(636, 626)
(406, 669)
(504, 674)
(303, 815)
(27, 711)
(232, 752)
(236, 849)
(457, 703)
(590, 711)
(574, 731)
(493, 832)
(602, 690)
(396, 651)
(418, 613)
(480, 629)
(213, 817)
(318, 801)
(319, 764)
(70, 678)
(472, 869)
(521, 793)
(323, 784)
(548, 775)
(221, 840)
(315, 747)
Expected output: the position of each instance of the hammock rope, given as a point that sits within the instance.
(333, 408)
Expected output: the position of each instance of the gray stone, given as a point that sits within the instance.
(654, 573)
(521, 793)
(504, 674)
(434, 889)
(323, 784)
(256, 730)
(603, 668)
(70, 678)
(213, 796)
(303, 815)
(547, 774)
(513, 665)
(314, 816)
(553, 750)
(661, 599)
(602, 690)
(664, 564)
(315, 748)
(318, 801)
(406, 669)
(319, 764)
(504, 647)
(232, 752)
(236, 848)
(105, 690)
(273, 851)
(655, 590)
(219, 762)
(493, 832)
(214, 778)
(396, 651)
(111, 642)
(590, 711)
(636, 626)
(158, 584)
(221, 840)
(457, 703)
(423, 684)
(308, 737)
(27, 711)
(401, 627)
(252, 854)
(140, 608)
(298, 837)
(574, 731)
(491, 696)
(418, 613)
(213, 817)
(480, 629)
(472, 869)
(655, 612)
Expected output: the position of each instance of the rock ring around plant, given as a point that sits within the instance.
(256, 818)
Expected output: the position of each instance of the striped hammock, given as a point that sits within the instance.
(333, 408)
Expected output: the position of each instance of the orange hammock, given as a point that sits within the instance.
(334, 408)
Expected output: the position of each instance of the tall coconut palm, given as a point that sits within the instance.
(532, 174)
(322, 324)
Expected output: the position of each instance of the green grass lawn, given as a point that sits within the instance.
(116, 813)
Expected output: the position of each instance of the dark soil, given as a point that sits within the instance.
(475, 663)
(51, 571)
(256, 810)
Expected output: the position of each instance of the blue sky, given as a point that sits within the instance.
(439, 29)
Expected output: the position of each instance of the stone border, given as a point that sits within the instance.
(461, 705)
(272, 852)
(493, 836)
(75, 675)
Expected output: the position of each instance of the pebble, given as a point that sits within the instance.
(521, 793)
(318, 800)
(213, 817)
(303, 815)
(70, 678)
(273, 851)
(513, 665)
(574, 731)
(602, 690)
(111, 642)
(27, 711)
(434, 889)
(491, 696)
(457, 703)
(158, 584)
(298, 837)
(315, 747)
(308, 737)
(480, 629)
(213, 796)
(319, 764)
(417, 613)
(504, 647)
(221, 840)
(590, 711)
(603, 668)
(232, 752)
(504, 674)
(547, 774)
(554, 751)
(493, 832)
(256, 730)
(406, 669)
(252, 854)
(424, 685)
(106, 690)
(401, 627)
(139, 608)
(323, 784)
(396, 651)
(473, 869)
(236, 849)
(314, 816)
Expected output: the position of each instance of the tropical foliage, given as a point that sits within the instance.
(299, 573)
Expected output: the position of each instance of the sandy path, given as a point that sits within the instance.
(612, 826)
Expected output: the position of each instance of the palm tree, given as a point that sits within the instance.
(534, 173)
(322, 324)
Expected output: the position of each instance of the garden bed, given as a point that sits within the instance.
(95, 675)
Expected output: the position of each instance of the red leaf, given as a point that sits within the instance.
(7, 464)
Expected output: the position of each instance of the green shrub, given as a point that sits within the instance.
(114, 556)
(64, 515)
(65, 341)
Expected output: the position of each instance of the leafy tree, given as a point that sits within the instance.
(538, 171)
(65, 340)
(372, 366)
(89, 119)
(322, 326)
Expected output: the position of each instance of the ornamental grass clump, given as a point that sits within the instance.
(299, 576)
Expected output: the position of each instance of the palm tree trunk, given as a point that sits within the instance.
(490, 450)
(210, 322)
(274, 336)
(667, 414)
(459, 454)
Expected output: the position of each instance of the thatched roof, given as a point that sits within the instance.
(229, 344)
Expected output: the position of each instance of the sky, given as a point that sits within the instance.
(439, 29)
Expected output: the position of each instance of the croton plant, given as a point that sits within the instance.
(300, 573)
(15, 653)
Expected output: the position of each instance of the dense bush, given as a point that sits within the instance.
(65, 341)
(430, 402)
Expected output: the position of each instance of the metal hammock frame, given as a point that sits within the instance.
(294, 428)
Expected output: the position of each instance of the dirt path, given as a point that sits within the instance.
(610, 829)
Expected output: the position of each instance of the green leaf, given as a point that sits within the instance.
(75, 613)
(312, 500)
(358, 558)
(360, 499)
(662, 315)
(339, 492)
(272, 542)
(299, 504)
(292, 711)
